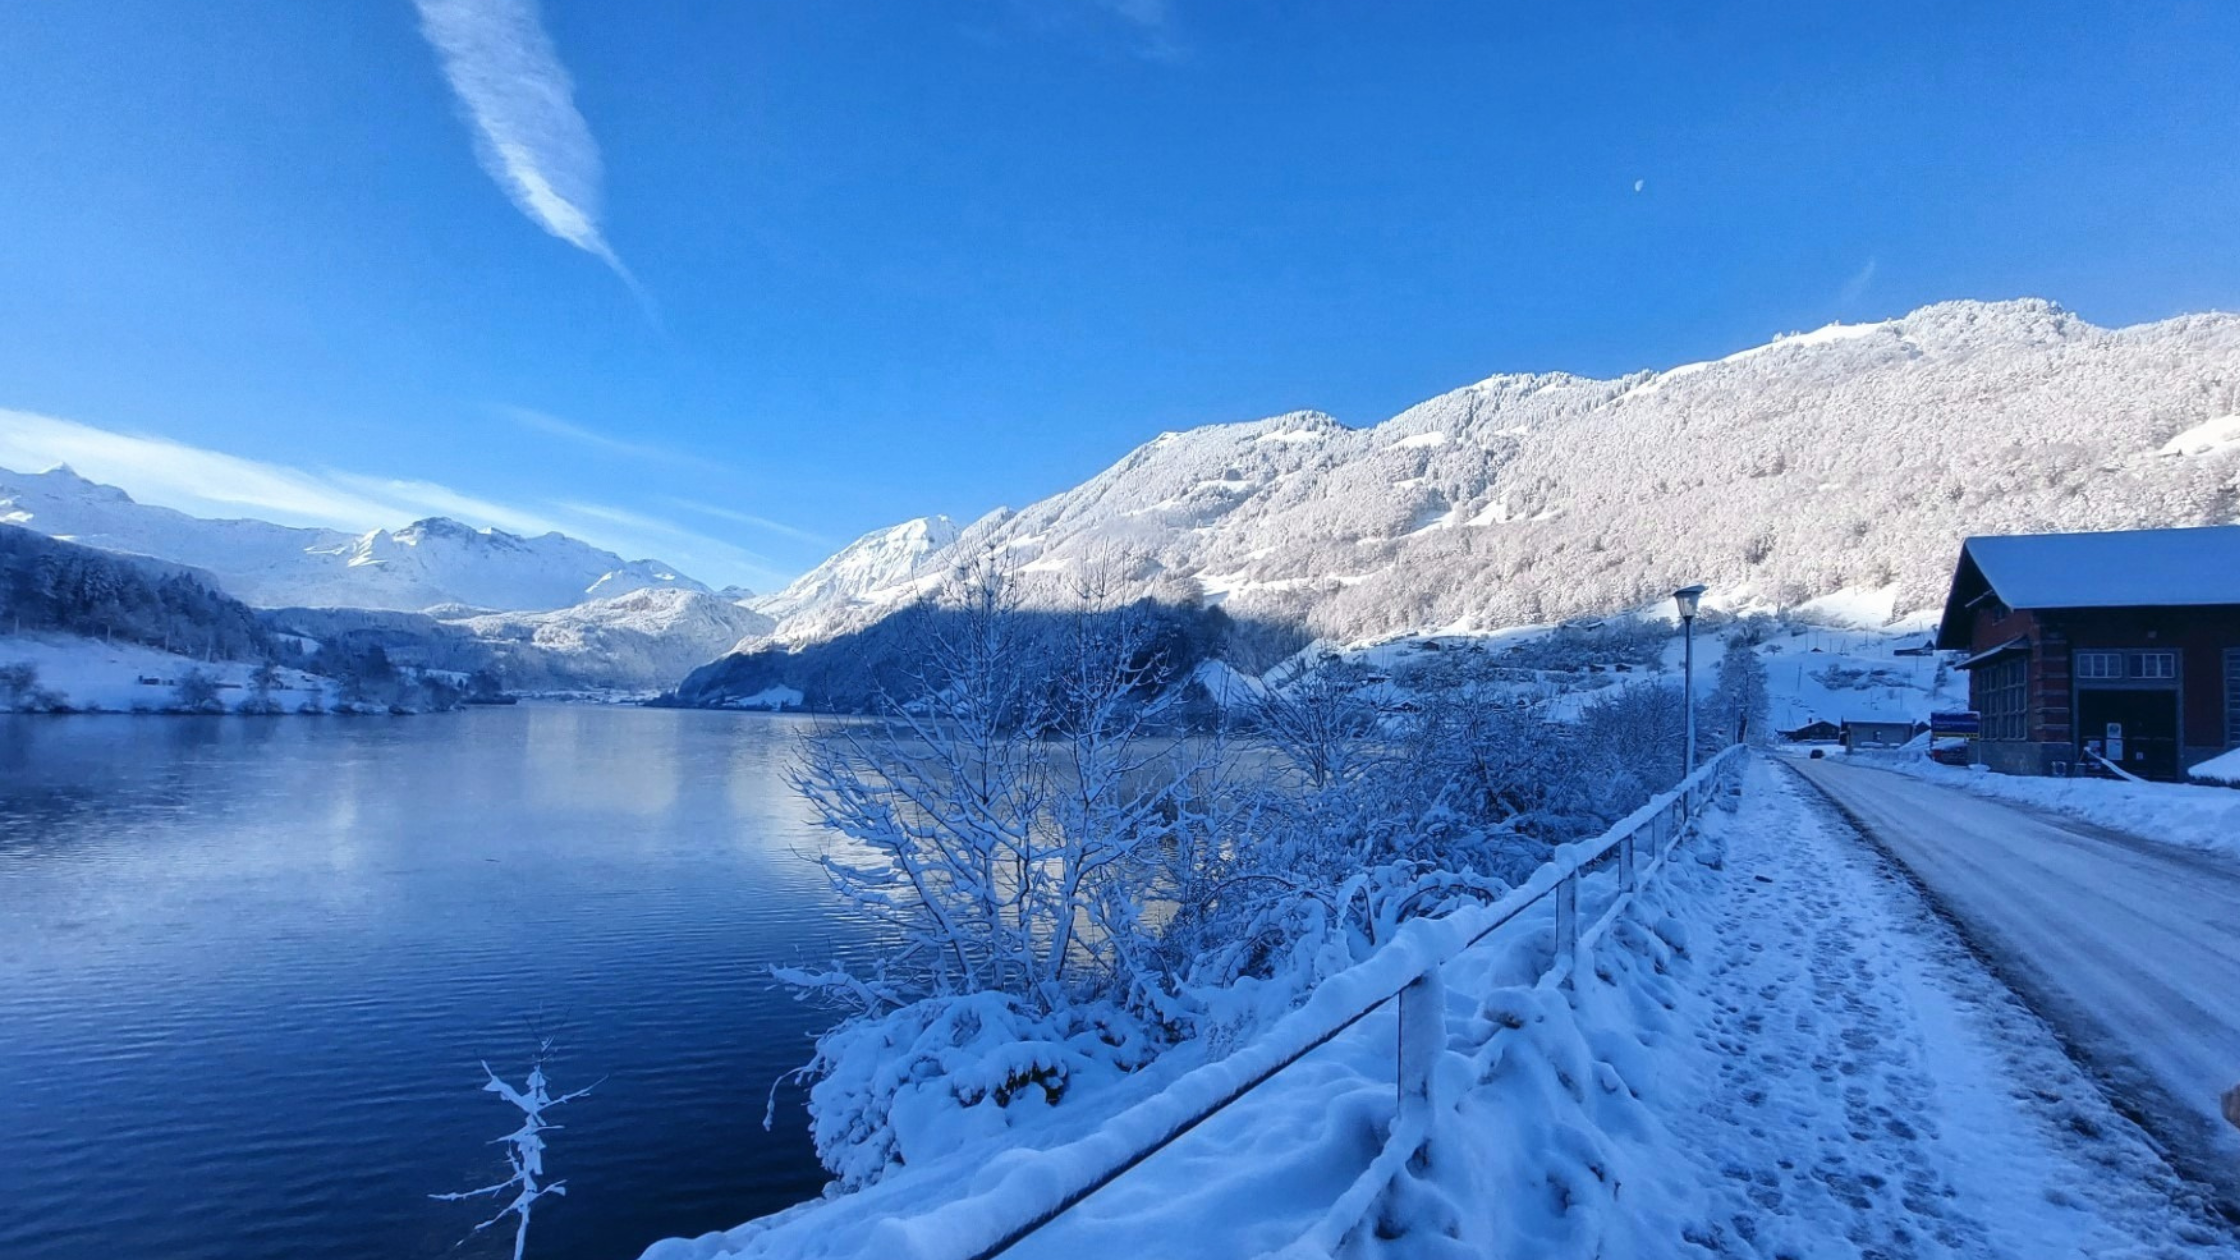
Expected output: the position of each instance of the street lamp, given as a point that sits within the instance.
(1688, 597)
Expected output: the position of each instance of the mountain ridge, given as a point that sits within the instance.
(1852, 456)
(430, 562)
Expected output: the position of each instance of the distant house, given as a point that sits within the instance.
(2122, 645)
(1817, 731)
(1878, 734)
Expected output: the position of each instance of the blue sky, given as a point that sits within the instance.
(784, 272)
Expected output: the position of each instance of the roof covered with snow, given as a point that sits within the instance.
(2128, 568)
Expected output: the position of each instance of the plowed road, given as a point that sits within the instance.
(2130, 949)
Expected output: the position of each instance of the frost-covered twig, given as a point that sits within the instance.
(524, 1148)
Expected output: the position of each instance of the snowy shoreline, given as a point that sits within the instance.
(83, 677)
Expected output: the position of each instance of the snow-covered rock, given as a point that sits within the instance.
(430, 562)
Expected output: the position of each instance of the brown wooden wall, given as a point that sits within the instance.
(2200, 636)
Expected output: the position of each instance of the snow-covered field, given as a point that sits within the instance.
(1778, 1052)
(93, 676)
(2198, 816)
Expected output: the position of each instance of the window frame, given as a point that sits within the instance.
(2093, 664)
(2002, 696)
(2136, 665)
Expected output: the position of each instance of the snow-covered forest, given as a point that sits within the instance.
(85, 629)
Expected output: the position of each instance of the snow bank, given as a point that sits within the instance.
(2206, 438)
(2224, 769)
(2193, 816)
(777, 698)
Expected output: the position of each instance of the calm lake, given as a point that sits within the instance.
(248, 966)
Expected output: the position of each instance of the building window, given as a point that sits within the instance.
(2154, 664)
(2003, 698)
(2099, 664)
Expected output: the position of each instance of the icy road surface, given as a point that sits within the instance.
(2131, 949)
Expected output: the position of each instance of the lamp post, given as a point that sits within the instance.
(1688, 597)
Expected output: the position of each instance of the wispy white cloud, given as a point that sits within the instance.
(427, 498)
(1157, 35)
(204, 482)
(520, 103)
(679, 543)
(173, 474)
(1147, 28)
(750, 520)
(543, 422)
(1856, 287)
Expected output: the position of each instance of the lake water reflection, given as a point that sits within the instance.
(247, 968)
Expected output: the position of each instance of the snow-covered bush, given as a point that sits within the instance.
(262, 684)
(196, 692)
(1070, 888)
(924, 1079)
(1005, 823)
(20, 691)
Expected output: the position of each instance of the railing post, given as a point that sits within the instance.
(1567, 926)
(1423, 1034)
(1628, 879)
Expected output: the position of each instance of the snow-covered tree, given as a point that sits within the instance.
(196, 692)
(1738, 706)
(1004, 822)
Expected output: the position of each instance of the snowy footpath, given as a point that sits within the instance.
(1869, 1089)
(1780, 1051)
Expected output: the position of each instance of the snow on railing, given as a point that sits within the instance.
(1043, 1184)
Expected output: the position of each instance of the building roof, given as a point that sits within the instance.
(2159, 568)
(2135, 568)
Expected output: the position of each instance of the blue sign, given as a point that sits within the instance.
(1962, 723)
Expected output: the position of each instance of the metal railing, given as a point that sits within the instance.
(1407, 969)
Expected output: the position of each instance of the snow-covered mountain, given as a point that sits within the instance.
(643, 640)
(1850, 458)
(875, 571)
(428, 563)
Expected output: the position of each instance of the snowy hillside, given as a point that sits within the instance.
(645, 640)
(88, 675)
(873, 572)
(430, 562)
(1853, 457)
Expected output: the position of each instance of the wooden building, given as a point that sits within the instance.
(1877, 732)
(2123, 645)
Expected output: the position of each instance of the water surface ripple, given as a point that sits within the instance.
(247, 968)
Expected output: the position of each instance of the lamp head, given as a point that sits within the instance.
(1688, 597)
